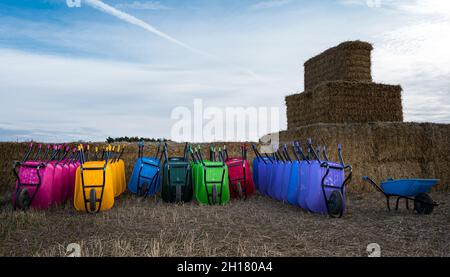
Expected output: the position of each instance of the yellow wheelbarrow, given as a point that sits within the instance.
(96, 183)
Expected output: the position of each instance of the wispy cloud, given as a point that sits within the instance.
(97, 4)
(270, 4)
(137, 5)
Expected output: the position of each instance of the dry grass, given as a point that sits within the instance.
(256, 227)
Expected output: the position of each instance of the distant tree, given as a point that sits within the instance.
(133, 139)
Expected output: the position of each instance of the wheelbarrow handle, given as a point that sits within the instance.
(311, 150)
(324, 152)
(258, 155)
(166, 152)
(300, 151)
(372, 182)
(38, 152)
(293, 150)
(286, 154)
(318, 151)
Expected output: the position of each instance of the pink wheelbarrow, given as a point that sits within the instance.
(39, 181)
(240, 178)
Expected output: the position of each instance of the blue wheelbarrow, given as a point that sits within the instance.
(415, 190)
(145, 179)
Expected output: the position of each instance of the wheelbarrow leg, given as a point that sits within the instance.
(407, 203)
(396, 204)
(387, 203)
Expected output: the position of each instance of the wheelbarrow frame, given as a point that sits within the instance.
(399, 197)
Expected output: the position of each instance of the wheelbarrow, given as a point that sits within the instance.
(35, 179)
(94, 184)
(239, 176)
(326, 183)
(145, 179)
(297, 190)
(176, 177)
(263, 165)
(415, 190)
(118, 167)
(209, 177)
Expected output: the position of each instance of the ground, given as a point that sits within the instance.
(258, 226)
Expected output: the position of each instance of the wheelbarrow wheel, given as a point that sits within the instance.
(239, 190)
(214, 195)
(423, 204)
(23, 199)
(335, 203)
(144, 189)
(92, 200)
(178, 193)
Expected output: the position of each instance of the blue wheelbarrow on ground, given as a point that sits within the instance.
(415, 190)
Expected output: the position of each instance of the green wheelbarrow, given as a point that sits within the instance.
(210, 178)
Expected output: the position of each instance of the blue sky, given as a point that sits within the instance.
(82, 73)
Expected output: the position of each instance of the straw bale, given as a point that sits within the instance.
(345, 102)
(348, 61)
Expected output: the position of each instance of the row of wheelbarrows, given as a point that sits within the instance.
(308, 179)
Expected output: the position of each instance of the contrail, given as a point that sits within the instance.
(98, 4)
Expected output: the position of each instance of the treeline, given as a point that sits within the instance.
(132, 139)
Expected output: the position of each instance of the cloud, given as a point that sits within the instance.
(270, 4)
(137, 5)
(416, 56)
(60, 98)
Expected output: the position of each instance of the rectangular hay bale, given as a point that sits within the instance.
(349, 61)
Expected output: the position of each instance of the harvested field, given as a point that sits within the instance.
(256, 227)
(259, 226)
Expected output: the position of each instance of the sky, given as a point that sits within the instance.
(119, 68)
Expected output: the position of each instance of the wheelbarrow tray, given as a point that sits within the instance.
(303, 185)
(176, 172)
(58, 182)
(239, 172)
(288, 167)
(208, 175)
(145, 171)
(121, 175)
(102, 181)
(72, 173)
(294, 183)
(408, 187)
(276, 180)
(255, 176)
(264, 174)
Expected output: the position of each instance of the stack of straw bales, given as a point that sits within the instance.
(384, 149)
(341, 105)
(339, 89)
